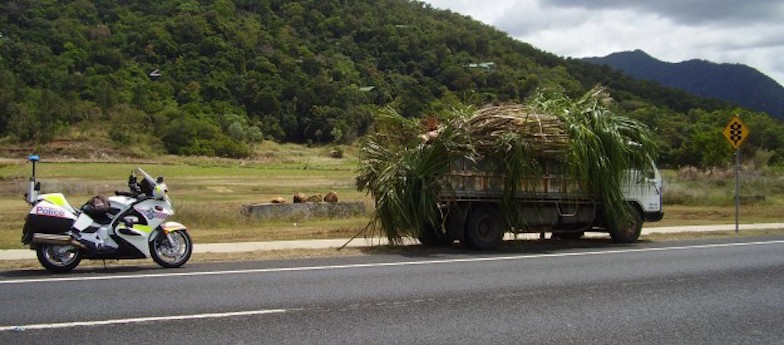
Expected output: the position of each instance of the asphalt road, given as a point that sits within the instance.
(710, 291)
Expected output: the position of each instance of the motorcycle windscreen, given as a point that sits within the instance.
(48, 218)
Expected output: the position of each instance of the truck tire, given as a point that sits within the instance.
(629, 231)
(485, 228)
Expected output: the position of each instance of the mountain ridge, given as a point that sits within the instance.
(737, 83)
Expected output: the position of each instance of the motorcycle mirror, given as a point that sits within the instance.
(159, 180)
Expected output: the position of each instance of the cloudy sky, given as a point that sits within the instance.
(750, 32)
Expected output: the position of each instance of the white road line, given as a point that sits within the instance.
(138, 320)
(385, 264)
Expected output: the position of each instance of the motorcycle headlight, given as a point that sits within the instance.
(160, 191)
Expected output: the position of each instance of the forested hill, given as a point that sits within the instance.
(736, 83)
(213, 77)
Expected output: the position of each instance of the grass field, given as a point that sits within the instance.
(208, 192)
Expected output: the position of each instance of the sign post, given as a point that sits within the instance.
(736, 132)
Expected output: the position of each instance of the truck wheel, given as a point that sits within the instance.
(628, 231)
(485, 228)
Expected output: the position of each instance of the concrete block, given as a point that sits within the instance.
(304, 210)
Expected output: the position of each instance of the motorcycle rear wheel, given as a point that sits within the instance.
(57, 258)
(171, 256)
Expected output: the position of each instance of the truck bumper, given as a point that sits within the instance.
(654, 216)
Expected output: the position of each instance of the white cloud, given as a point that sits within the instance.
(731, 31)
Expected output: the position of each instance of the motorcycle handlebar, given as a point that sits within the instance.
(128, 194)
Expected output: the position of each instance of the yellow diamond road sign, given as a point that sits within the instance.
(736, 131)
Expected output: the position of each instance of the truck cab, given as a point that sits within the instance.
(644, 191)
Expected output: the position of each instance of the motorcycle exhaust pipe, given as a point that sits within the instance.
(61, 240)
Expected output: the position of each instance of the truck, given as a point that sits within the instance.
(552, 164)
(475, 213)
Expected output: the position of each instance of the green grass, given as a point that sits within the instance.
(207, 193)
(716, 188)
(694, 197)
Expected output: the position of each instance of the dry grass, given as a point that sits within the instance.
(675, 215)
(716, 187)
(207, 193)
(280, 230)
(544, 132)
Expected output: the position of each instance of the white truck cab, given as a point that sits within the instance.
(644, 190)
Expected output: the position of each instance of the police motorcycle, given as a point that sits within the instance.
(127, 225)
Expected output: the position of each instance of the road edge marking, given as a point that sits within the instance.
(59, 325)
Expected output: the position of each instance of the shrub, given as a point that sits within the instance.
(336, 152)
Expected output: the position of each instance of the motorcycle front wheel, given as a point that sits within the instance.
(57, 258)
(174, 254)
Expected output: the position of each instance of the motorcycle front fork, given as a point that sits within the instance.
(170, 240)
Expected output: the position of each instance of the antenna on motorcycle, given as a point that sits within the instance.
(32, 193)
(33, 159)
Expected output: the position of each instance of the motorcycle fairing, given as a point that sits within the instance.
(152, 214)
(139, 235)
(118, 203)
(125, 250)
(59, 200)
(82, 222)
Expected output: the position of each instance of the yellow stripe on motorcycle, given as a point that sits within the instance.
(142, 228)
(55, 198)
